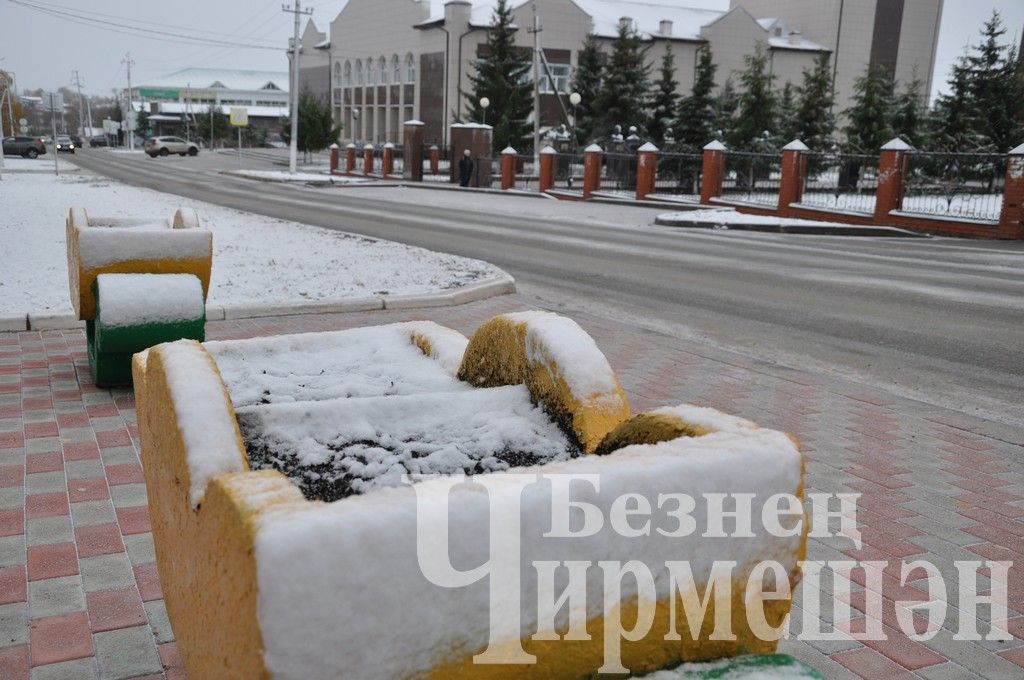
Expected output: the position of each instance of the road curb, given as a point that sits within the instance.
(501, 285)
(783, 228)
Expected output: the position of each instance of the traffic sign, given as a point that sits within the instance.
(239, 116)
(53, 101)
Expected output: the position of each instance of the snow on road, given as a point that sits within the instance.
(257, 259)
(282, 176)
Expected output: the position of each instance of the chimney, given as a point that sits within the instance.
(795, 37)
(456, 13)
(626, 22)
(665, 27)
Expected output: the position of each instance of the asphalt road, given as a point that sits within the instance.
(940, 320)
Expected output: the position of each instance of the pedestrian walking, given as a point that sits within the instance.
(465, 168)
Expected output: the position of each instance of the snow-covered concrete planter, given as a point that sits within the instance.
(136, 283)
(287, 542)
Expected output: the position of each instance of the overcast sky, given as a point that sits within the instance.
(43, 50)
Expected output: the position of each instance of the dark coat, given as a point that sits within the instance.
(465, 170)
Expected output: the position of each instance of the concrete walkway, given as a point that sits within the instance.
(80, 596)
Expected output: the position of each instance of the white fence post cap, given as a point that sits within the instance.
(548, 150)
(508, 151)
(350, 145)
(715, 146)
(648, 147)
(795, 145)
(368, 146)
(1019, 151)
(897, 144)
(389, 145)
(593, 148)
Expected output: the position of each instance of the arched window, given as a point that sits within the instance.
(382, 65)
(396, 69)
(348, 73)
(371, 71)
(410, 69)
(337, 74)
(359, 72)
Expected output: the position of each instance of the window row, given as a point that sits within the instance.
(375, 71)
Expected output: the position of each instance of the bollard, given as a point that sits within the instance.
(508, 168)
(334, 158)
(350, 159)
(646, 170)
(713, 171)
(435, 159)
(547, 168)
(389, 160)
(368, 159)
(592, 157)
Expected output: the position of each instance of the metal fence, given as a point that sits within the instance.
(527, 174)
(752, 177)
(619, 172)
(568, 171)
(965, 185)
(679, 174)
(841, 181)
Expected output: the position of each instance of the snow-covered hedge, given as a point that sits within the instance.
(260, 581)
(142, 246)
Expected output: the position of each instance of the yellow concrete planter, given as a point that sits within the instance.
(124, 246)
(260, 582)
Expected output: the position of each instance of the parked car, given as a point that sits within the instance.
(29, 147)
(100, 140)
(78, 142)
(65, 145)
(165, 146)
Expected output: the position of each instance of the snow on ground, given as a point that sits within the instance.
(734, 217)
(256, 259)
(15, 164)
(281, 176)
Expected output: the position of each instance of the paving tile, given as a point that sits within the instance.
(140, 548)
(89, 513)
(106, 572)
(13, 585)
(128, 495)
(113, 609)
(147, 578)
(156, 613)
(44, 462)
(12, 498)
(14, 624)
(50, 561)
(12, 551)
(126, 653)
(48, 530)
(12, 522)
(99, 539)
(121, 455)
(78, 669)
(46, 505)
(45, 482)
(94, 489)
(133, 520)
(130, 473)
(60, 638)
(54, 596)
(14, 661)
(84, 469)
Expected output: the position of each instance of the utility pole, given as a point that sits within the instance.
(536, 87)
(78, 84)
(293, 145)
(6, 93)
(130, 117)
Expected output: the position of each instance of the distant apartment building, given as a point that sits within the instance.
(382, 62)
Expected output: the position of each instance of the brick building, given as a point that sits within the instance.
(382, 62)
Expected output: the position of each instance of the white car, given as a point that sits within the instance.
(165, 146)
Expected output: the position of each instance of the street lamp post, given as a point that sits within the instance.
(484, 103)
(575, 100)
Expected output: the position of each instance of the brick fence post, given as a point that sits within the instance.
(646, 170)
(388, 165)
(508, 168)
(412, 151)
(435, 159)
(592, 157)
(547, 168)
(1012, 215)
(892, 171)
(713, 172)
(368, 159)
(350, 159)
(334, 158)
(794, 171)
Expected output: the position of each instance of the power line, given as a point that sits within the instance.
(137, 31)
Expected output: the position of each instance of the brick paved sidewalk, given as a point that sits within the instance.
(80, 596)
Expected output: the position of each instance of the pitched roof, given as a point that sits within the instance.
(215, 78)
(647, 17)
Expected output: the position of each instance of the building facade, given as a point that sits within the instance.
(383, 62)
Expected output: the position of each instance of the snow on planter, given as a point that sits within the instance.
(142, 246)
(261, 579)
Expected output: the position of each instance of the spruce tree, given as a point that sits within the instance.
(501, 75)
(623, 96)
(665, 100)
(816, 124)
(909, 113)
(993, 86)
(954, 119)
(869, 120)
(316, 125)
(726, 104)
(786, 126)
(220, 123)
(697, 121)
(590, 65)
(757, 103)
